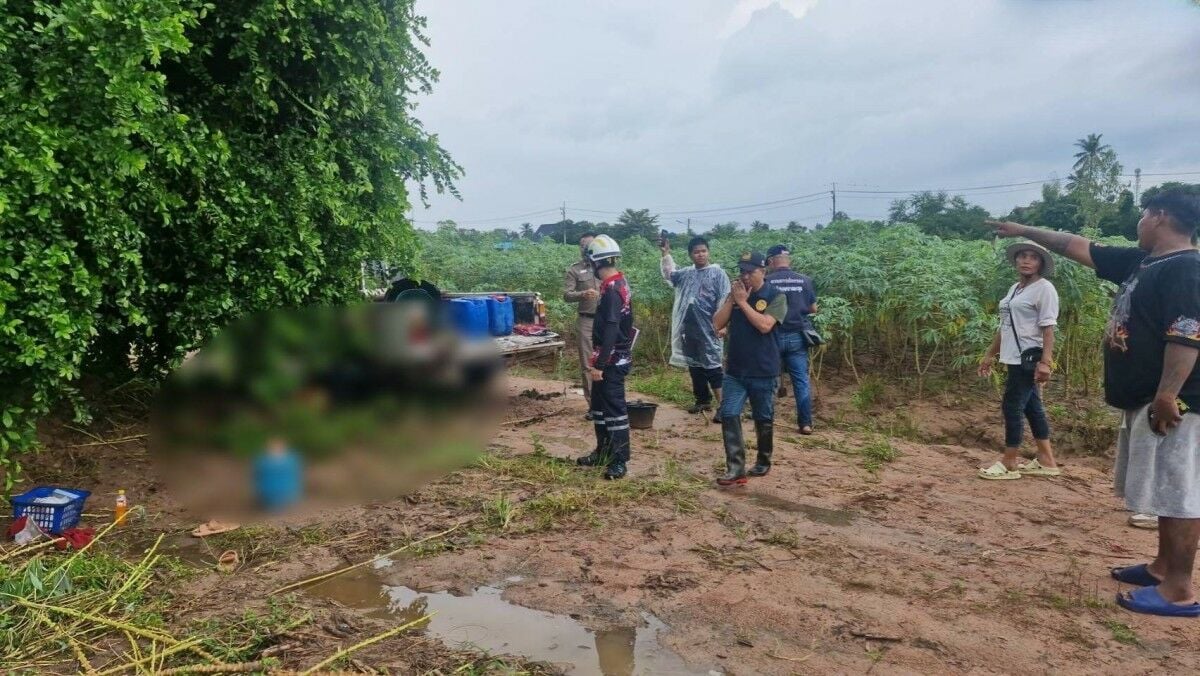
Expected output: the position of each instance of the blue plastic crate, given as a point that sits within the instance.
(53, 519)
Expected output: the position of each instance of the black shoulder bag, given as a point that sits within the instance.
(1030, 357)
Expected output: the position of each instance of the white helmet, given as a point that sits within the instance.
(603, 247)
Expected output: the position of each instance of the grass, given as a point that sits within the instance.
(60, 611)
(670, 385)
(499, 512)
(242, 637)
(869, 393)
(876, 454)
(1121, 632)
(564, 494)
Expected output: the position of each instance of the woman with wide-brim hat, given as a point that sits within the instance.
(1024, 343)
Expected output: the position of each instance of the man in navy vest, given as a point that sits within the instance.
(752, 313)
(802, 304)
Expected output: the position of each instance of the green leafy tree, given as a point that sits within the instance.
(1188, 188)
(636, 223)
(1056, 210)
(171, 165)
(941, 215)
(1121, 219)
(759, 226)
(526, 231)
(723, 230)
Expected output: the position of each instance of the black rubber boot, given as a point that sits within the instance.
(735, 453)
(764, 431)
(599, 456)
(596, 458)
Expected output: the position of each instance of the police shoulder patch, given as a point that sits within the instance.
(760, 305)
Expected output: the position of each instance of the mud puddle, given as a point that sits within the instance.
(482, 619)
(829, 517)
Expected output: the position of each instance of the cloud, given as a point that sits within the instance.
(633, 104)
(744, 11)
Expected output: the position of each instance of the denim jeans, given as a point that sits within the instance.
(760, 391)
(794, 350)
(1021, 400)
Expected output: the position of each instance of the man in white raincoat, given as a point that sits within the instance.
(700, 289)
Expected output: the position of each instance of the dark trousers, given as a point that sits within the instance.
(610, 417)
(704, 381)
(1022, 402)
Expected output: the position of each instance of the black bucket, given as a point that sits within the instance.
(641, 414)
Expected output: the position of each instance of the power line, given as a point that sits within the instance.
(492, 219)
(799, 200)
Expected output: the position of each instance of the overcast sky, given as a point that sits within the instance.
(702, 105)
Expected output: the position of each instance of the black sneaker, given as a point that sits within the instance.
(616, 470)
(588, 416)
(698, 407)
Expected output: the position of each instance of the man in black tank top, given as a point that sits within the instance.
(752, 314)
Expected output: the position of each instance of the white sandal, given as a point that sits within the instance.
(998, 472)
(1035, 468)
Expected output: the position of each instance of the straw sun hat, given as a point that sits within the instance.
(1047, 260)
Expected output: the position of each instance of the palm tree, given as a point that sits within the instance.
(1096, 170)
(526, 231)
(1090, 150)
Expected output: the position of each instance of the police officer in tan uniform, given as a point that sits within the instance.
(580, 285)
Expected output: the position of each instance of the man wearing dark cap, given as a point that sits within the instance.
(751, 314)
(1151, 373)
(794, 329)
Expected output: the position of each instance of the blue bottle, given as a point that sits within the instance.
(278, 477)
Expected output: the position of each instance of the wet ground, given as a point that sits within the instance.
(823, 566)
(482, 618)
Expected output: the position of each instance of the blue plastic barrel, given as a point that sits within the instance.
(278, 480)
(500, 315)
(470, 317)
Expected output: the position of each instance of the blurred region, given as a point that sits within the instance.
(320, 407)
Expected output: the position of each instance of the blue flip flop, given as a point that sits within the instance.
(1149, 601)
(1138, 575)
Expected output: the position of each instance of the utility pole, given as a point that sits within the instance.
(564, 221)
(833, 217)
(1137, 185)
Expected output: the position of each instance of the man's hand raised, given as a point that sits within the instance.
(1007, 228)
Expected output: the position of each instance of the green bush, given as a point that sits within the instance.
(169, 165)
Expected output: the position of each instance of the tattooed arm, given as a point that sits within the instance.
(1178, 362)
(1074, 247)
